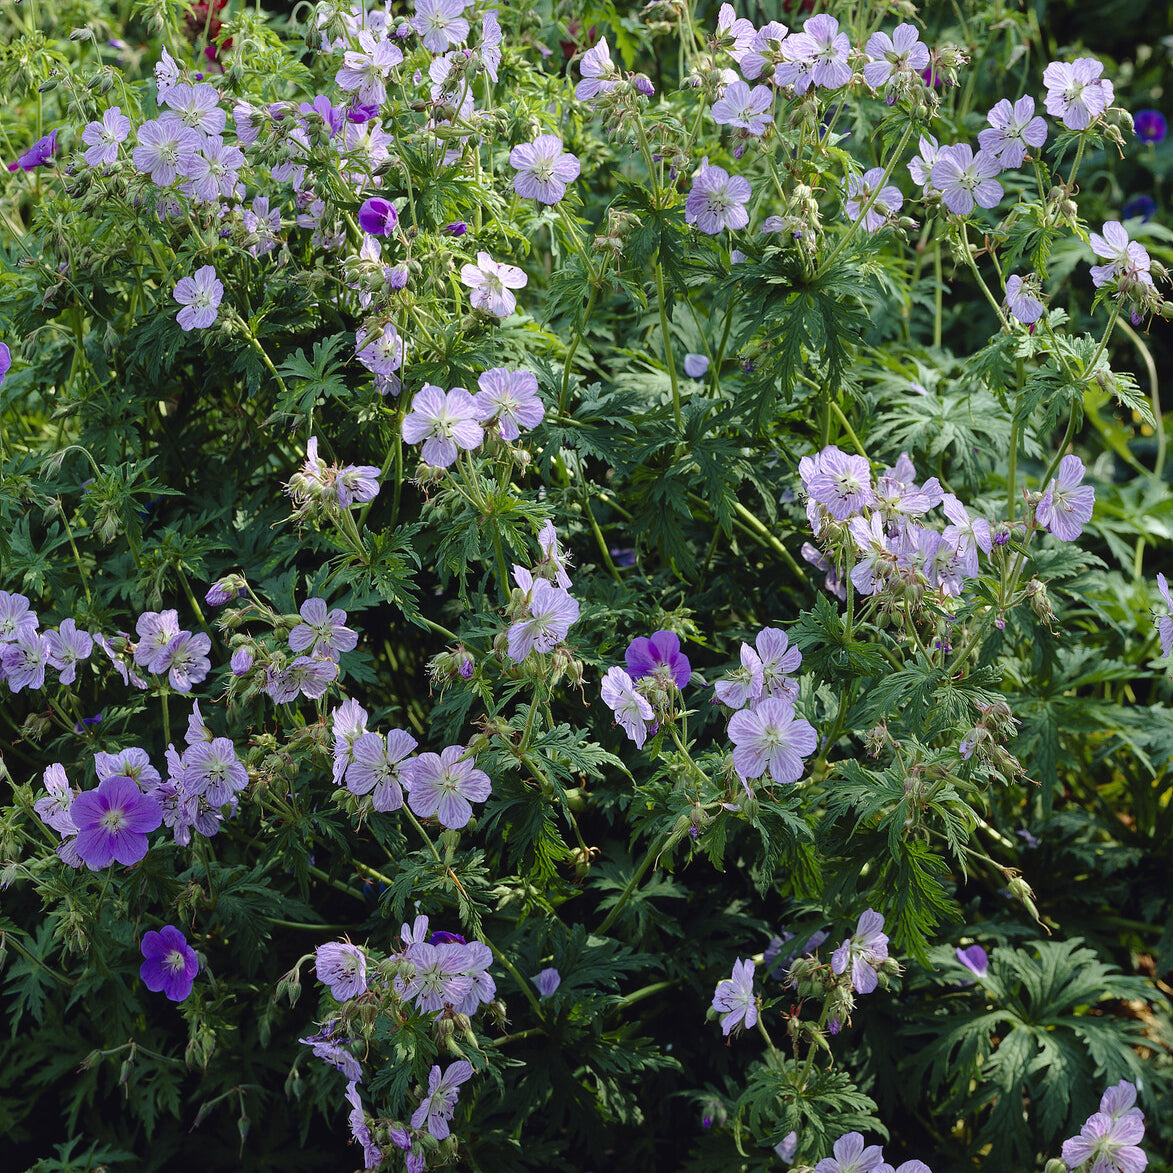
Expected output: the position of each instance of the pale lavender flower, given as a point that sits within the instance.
(599, 75)
(743, 107)
(921, 167)
(103, 137)
(66, 647)
(905, 1167)
(885, 206)
(133, 763)
(356, 483)
(348, 724)
(1125, 257)
(492, 283)
(1066, 507)
(778, 661)
(974, 959)
(843, 483)
(733, 998)
(440, 23)
(213, 172)
(15, 617)
(552, 612)
(717, 200)
(200, 297)
(212, 770)
(851, 1156)
(1021, 299)
(742, 686)
(696, 366)
(365, 70)
(761, 56)
(902, 52)
(242, 661)
(156, 629)
(632, 711)
(787, 1147)
(264, 224)
(1119, 1101)
(24, 661)
(166, 75)
(343, 967)
(547, 981)
(1012, 130)
(1165, 621)
(445, 421)
(331, 1050)
(308, 676)
(734, 33)
(438, 977)
(1107, 1145)
(446, 785)
(185, 660)
(817, 55)
(378, 763)
(322, 632)
(965, 179)
(553, 558)
(196, 106)
(360, 1131)
(868, 575)
(1076, 93)
(53, 808)
(511, 399)
(769, 738)
(491, 43)
(477, 957)
(165, 150)
(864, 950)
(443, 1091)
(543, 169)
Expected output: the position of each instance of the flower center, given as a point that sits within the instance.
(174, 961)
(113, 820)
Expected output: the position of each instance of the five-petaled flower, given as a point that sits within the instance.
(446, 785)
(200, 296)
(543, 169)
(445, 421)
(491, 283)
(1066, 506)
(734, 1000)
(717, 200)
(112, 822)
(169, 963)
(440, 1102)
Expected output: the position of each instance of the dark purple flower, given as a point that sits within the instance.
(112, 822)
(38, 154)
(377, 216)
(330, 114)
(5, 361)
(1150, 126)
(1137, 207)
(975, 960)
(456, 228)
(359, 113)
(169, 964)
(81, 726)
(547, 981)
(623, 555)
(649, 656)
(443, 937)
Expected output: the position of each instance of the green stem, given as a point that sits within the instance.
(573, 348)
(653, 851)
(669, 357)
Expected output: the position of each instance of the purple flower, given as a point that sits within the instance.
(1150, 126)
(770, 738)
(38, 154)
(103, 137)
(446, 785)
(321, 632)
(332, 1051)
(66, 647)
(511, 399)
(734, 998)
(1125, 257)
(440, 24)
(1107, 1145)
(743, 107)
(1012, 129)
(445, 421)
(382, 353)
(15, 617)
(717, 200)
(343, 967)
(200, 297)
(632, 711)
(166, 150)
(169, 963)
(863, 951)
(543, 169)
(212, 770)
(443, 1091)
(242, 661)
(599, 75)
(378, 764)
(696, 366)
(1137, 207)
(5, 367)
(901, 52)
(660, 657)
(974, 959)
(743, 686)
(112, 822)
(456, 228)
(185, 660)
(552, 611)
(1021, 299)
(1076, 93)
(1066, 506)
(24, 661)
(859, 191)
(851, 1156)
(1165, 621)
(778, 661)
(547, 981)
(491, 283)
(377, 216)
(964, 179)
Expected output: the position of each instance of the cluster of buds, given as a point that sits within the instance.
(319, 490)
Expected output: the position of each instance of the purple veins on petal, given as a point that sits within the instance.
(113, 821)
